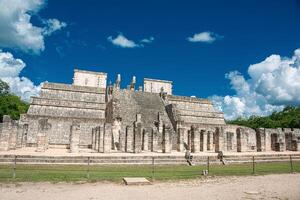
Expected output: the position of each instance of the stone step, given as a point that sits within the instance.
(94, 160)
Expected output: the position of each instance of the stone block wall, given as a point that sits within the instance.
(88, 78)
(157, 86)
(192, 110)
(111, 119)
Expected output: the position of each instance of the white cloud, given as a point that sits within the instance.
(53, 25)
(10, 69)
(147, 40)
(273, 83)
(123, 42)
(206, 37)
(278, 79)
(16, 29)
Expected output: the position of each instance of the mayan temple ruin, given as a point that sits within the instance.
(92, 116)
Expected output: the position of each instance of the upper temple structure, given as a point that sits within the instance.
(92, 116)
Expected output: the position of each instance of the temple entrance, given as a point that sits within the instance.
(274, 138)
(238, 140)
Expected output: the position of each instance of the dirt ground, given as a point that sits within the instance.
(284, 186)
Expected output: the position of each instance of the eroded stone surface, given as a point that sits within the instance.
(91, 115)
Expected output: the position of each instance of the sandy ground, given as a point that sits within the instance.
(285, 186)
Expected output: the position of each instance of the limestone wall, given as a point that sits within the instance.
(156, 86)
(193, 110)
(72, 95)
(63, 105)
(88, 78)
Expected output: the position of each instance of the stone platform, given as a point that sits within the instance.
(61, 156)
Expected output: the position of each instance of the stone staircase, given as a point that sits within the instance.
(129, 103)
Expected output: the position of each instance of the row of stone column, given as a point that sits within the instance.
(131, 139)
(277, 139)
(196, 140)
(13, 134)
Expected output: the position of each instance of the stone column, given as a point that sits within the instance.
(146, 134)
(219, 139)
(101, 139)
(160, 122)
(243, 139)
(93, 138)
(107, 136)
(42, 135)
(137, 138)
(75, 138)
(281, 140)
(196, 142)
(116, 127)
(122, 139)
(180, 137)
(94, 144)
(13, 135)
(204, 141)
(210, 141)
(97, 132)
(24, 135)
(166, 140)
(20, 133)
(262, 135)
(189, 139)
(154, 140)
(5, 134)
(129, 139)
(268, 139)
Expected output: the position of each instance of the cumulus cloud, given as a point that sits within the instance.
(10, 69)
(206, 37)
(273, 83)
(123, 42)
(16, 29)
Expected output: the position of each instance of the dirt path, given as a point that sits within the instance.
(286, 186)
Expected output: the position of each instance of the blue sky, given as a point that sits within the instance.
(232, 35)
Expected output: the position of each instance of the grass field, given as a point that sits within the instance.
(115, 173)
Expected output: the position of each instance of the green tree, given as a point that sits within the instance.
(4, 87)
(10, 104)
(289, 117)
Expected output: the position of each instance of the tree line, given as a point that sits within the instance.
(289, 117)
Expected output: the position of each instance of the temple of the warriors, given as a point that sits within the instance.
(90, 115)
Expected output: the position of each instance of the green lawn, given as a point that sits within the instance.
(57, 173)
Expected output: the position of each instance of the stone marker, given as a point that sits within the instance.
(136, 181)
